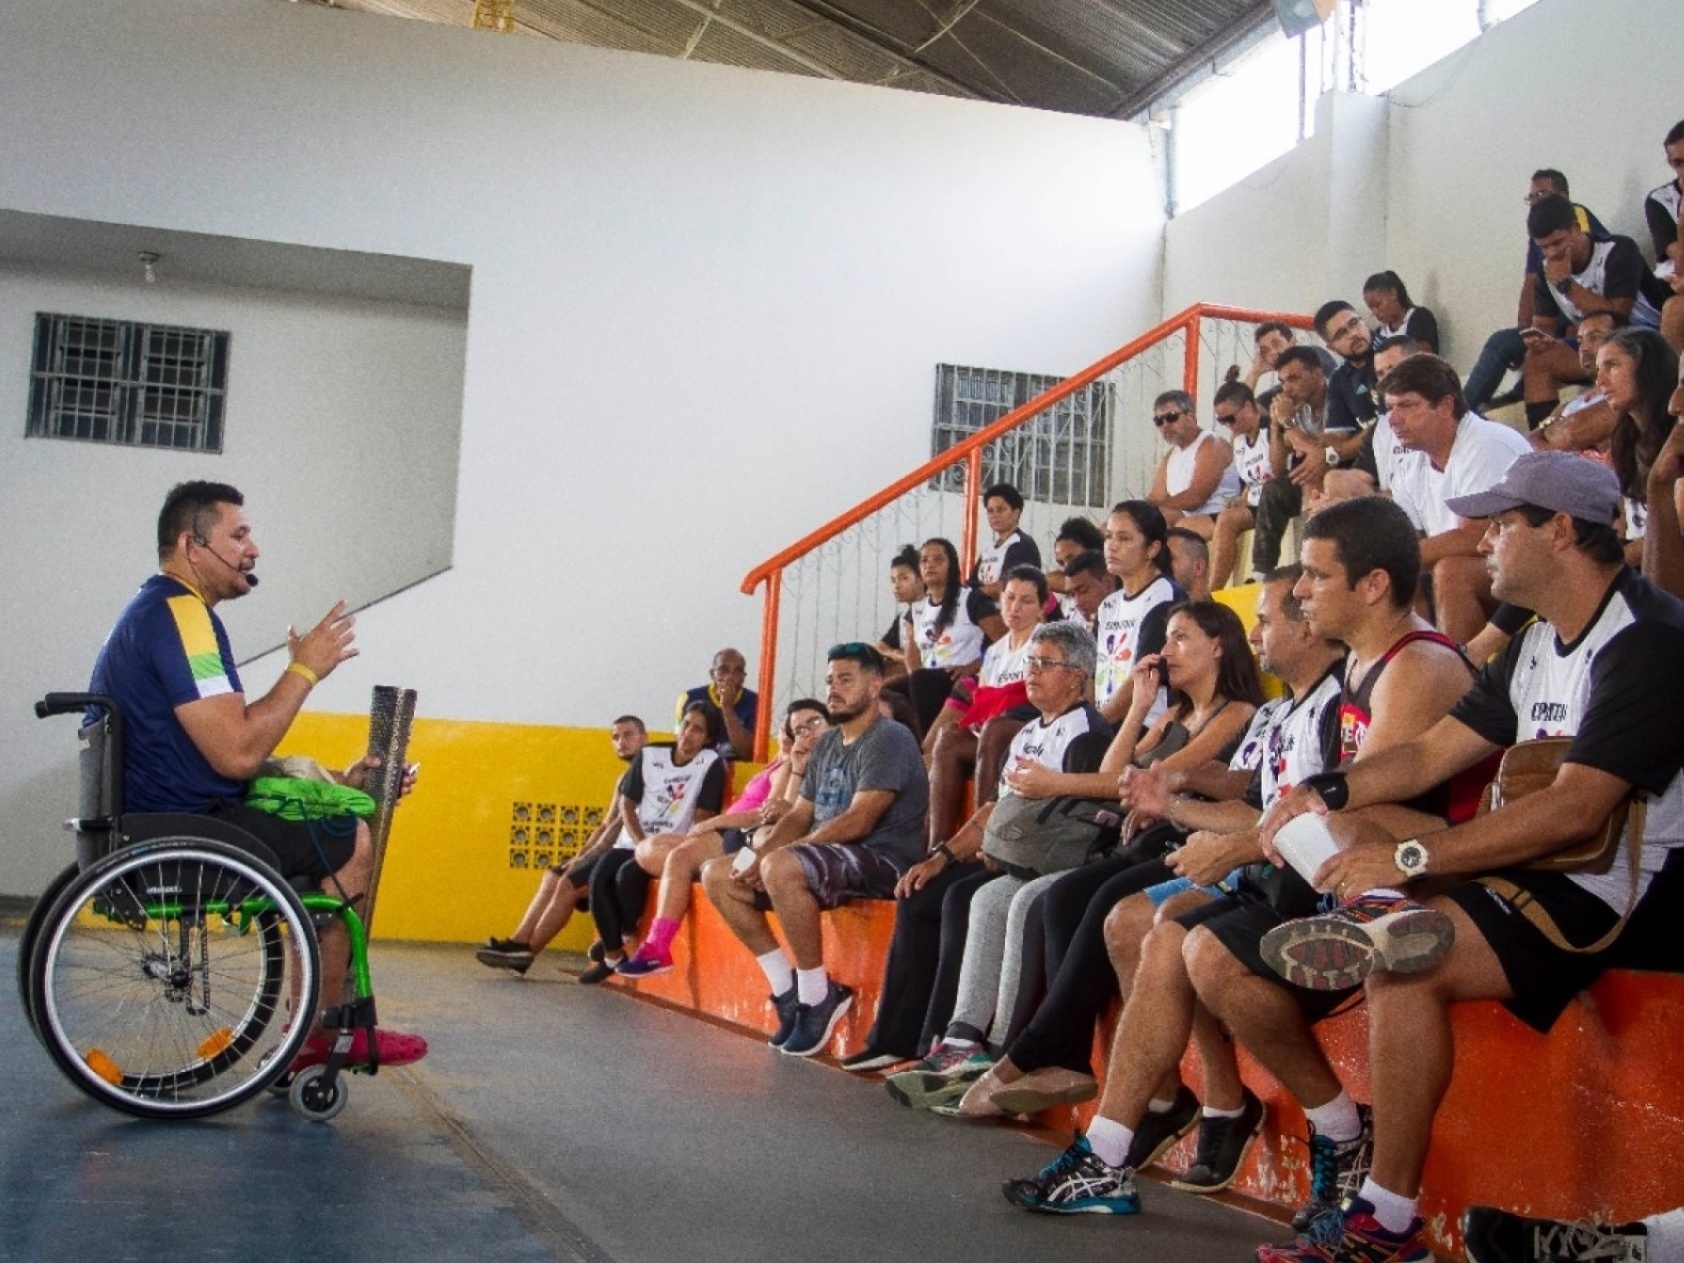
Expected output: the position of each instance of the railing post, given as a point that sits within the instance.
(1190, 370)
(768, 665)
(973, 494)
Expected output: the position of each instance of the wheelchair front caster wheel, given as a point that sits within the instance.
(313, 1099)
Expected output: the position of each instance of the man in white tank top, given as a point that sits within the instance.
(1196, 477)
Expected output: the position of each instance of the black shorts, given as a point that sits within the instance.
(312, 848)
(1544, 977)
(579, 879)
(838, 873)
(1239, 922)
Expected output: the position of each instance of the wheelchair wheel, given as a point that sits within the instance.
(165, 975)
(31, 934)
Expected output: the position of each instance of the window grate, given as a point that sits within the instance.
(123, 382)
(1063, 455)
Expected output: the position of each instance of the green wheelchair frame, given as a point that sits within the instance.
(170, 971)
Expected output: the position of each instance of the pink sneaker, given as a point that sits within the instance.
(395, 1049)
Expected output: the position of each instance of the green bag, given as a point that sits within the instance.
(296, 798)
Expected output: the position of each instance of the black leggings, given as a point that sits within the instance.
(1073, 913)
(619, 889)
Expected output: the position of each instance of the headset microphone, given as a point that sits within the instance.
(248, 576)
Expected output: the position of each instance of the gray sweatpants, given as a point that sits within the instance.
(1003, 955)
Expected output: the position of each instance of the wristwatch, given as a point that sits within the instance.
(1411, 858)
(946, 852)
(1332, 455)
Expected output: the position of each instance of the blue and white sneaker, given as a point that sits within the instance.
(1077, 1182)
(788, 1006)
(816, 1023)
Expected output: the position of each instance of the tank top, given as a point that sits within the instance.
(1178, 475)
(1251, 462)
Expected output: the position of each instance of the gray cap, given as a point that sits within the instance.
(1562, 482)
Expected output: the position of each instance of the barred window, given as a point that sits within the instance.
(120, 381)
(1061, 456)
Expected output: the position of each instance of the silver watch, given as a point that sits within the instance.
(1332, 456)
(1410, 858)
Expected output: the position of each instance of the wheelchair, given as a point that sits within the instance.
(170, 972)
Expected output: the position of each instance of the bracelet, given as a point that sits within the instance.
(304, 673)
(946, 852)
(1173, 803)
(1331, 787)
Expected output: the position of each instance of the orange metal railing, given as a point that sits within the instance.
(969, 451)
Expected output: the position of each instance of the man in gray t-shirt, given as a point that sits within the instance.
(858, 825)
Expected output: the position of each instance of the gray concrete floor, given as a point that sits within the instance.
(551, 1121)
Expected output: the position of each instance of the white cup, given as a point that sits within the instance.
(1306, 843)
(743, 859)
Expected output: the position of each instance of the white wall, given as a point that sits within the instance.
(1428, 182)
(706, 303)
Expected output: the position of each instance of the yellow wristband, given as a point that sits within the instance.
(304, 672)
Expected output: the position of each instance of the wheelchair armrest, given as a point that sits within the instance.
(69, 703)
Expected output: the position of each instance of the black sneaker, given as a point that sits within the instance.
(1157, 1132)
(1496, 1236)
(598, 973)
(786, 1004)
(1337, 1170)
(869, 1059)
(505, 955)
(597, 952)
(815, 1023)
(1222, 1146)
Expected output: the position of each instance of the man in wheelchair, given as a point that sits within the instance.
(192, 740)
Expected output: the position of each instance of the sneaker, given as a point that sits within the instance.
(395, 1049)
(869, 1059)
(815, 1023)
(1351, 1234)
(1077, 1182)
(1222, 1147)
(641, 966)
(955, 1072)
(505, 944)
(1158, 1132)
(1337, 1170)
(596, 952)
(787, 1005)
(1042, 1089)
(1338, 950)
(598, 973)
(504, 954)
(1496, 1236)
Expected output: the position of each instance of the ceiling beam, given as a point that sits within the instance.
(1241, 30)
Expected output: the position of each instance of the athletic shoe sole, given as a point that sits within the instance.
(836, 1016)
(642, 970)
(1027, 1199)
(928, 1090)
(1013, 1099)
(865, 1063)
(515, 962)
(1330, 953)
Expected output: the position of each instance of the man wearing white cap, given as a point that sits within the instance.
(1587, 670)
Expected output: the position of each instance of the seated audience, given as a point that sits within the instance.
(908, 590)
(1131, 620)
(1446, 451)
(1388, 301)
(1637, 373)
(1351, 403)
(857, 827)
(1383, 450)
(996, 697)
(666, 791)
(1236, 408)
(1293, 737)
(737, 706)
(564, 888)
(1529, 938)
(1086, 585)
(1010, 547)
(944, 637)
(1076, 535)
(1189, 562)
(1584, 422)
(1579, 273)
(678, 860)
(1664, 211)
(1299, 445)
(1271, 338)
(1506, 349)
(1196, 477)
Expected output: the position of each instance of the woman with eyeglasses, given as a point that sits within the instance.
(666, 791)
(945, 639)
(678, 859)
(1216, 691)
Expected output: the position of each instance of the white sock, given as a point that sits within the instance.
(1210, 1111)
(1395, 1213)
(949, 1041)
(775, 965)
(1109, 1140)
(1666, 1237)
(1156, 1106)
(1383, 892)
(812, 985)
(1338, 1119)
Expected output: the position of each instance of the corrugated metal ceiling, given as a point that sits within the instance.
(1109, 58)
